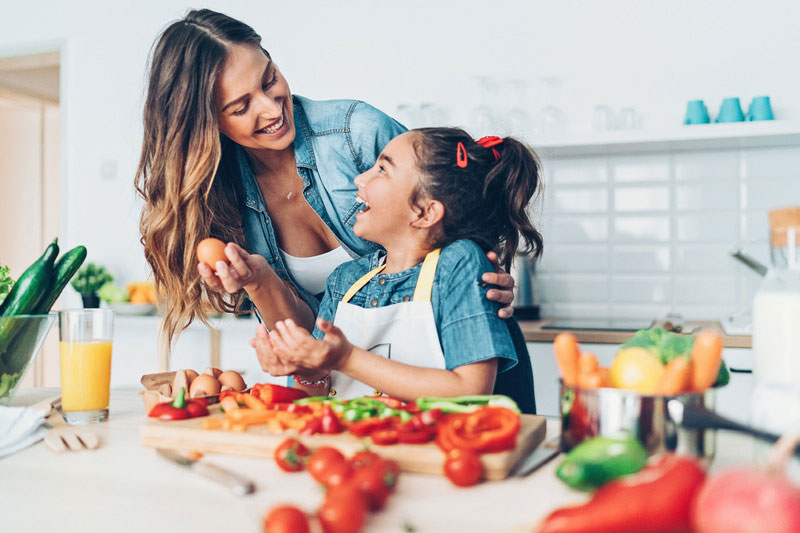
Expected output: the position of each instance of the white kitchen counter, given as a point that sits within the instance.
(123, 487)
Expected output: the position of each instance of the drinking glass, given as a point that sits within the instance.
(85, 346)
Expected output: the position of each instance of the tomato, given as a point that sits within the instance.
(364, 458)
(211, 250)
(291, 455)
(384, 436)
(463, 467)
(391, 472)
(374, 484)
(335, 474)
(344, 510)
(286, 519)
(321, 461)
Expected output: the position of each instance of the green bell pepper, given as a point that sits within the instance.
(599, 460)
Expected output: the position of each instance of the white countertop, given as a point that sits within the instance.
(123, 487)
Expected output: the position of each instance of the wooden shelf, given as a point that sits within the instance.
(733, 135)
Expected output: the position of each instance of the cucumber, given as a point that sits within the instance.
(64, 269)
(31, 286)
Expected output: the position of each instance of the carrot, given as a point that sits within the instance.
(590, 380)
(567, 352)
(676, 377)
(249, 416)
(587, 362)
(706, 359)
(253, 403)
(212, 423)
(604, 381)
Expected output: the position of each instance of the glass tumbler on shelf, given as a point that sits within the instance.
(551, 120)
(518, 118)
(85, 346)
(483, 118)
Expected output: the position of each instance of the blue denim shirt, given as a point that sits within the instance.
(335, 141)
(469, 329)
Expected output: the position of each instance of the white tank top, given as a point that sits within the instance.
(311, 273)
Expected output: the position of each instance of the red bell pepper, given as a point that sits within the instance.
(657, 498)
(312, 427)
(329, 421)
(180, 409)
(488, 429)
(365, 426)
(269, 393)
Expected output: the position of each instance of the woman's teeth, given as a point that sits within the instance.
(362, 201)
(272, 129)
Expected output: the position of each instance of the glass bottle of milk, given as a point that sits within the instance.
(776, 329)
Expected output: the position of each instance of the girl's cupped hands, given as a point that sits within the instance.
(242, 271)
(290, 349)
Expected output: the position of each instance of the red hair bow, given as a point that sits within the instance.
(490, 141)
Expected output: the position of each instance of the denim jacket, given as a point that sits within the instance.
(335, 141)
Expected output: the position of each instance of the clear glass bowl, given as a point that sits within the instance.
(21, 339)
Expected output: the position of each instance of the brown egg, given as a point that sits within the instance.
(211, 371)
(232, 379)
(190, 375)
(204, 385)
(211, 250)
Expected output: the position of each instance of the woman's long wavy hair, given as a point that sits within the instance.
(487, 200)
(187, 172)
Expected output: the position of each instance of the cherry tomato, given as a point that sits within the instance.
(364, 458)
(286, 519)
(319, 463)
(374, 484)
(463, 467)
(344, 510)
(211, 250)
(291, 455)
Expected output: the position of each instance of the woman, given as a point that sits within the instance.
(229, 152)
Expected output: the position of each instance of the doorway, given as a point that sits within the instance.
(30, 161)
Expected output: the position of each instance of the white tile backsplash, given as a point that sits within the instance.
(709, 258)
(771, 163)
(720, 165)
(644, 229)
(577, 287)
(698, 289)
(640, 289)
(644, 235)
(586, 258)
(586, 170)
(766, 194)
(641, 168)
(641, 199)
(707, 196)
(708, 228)
(640, 259)
(575, 229)
(580, 200)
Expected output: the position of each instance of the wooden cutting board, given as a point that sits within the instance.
(258, 441)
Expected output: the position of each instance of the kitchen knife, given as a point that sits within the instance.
(537, 458)
(238, 484)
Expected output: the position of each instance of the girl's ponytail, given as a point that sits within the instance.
(485, 187)
(510, 185)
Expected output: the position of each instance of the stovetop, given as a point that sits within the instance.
(600, 324)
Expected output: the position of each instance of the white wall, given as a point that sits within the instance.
(653, 55)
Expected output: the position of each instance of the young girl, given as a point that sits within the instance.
(413, 320)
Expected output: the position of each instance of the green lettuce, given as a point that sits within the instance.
(6, 282)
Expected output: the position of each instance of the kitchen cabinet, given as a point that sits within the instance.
(731, 401)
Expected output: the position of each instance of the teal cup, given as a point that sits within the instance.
(730, 111)
(760, 109)
(696, 113)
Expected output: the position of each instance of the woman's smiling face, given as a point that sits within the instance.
(254, 104)
(386, 189)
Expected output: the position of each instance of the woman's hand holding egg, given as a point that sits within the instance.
(229, 267)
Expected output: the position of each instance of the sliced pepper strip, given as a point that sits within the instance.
(490, 429)
(466, 404)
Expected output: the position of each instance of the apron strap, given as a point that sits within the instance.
(422, 292)
(361, 282)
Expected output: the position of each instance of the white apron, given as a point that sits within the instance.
(404, 332)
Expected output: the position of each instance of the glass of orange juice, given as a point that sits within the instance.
(85, 346)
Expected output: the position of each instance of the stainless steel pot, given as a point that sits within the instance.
(617, 412)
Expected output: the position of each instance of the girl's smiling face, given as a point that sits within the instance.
(386, 189)
(254, 104)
